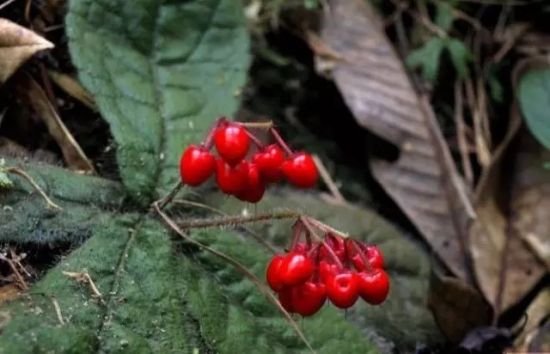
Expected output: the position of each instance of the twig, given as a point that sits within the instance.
(17, 261)
(235, 220)
(58, 311)
(258, 125)
(168, 198)
(256, 237)
(241, 268)
(84, 277)
(20, 172)
(18, 277)
(461, 135)
(6, 4)
(329, 182)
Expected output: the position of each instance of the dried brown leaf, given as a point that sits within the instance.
(505, 266)
(537, 311)
(375, 86)
(17, 44)
(72, 152)
(457, 306)
(8, 293)
(73, 88)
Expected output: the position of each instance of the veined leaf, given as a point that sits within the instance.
(161, 72)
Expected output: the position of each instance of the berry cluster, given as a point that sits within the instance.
(339, 269)
(236, 176)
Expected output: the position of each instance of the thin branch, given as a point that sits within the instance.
(329, 182)
(20, 280)
(248, 230)
(20, 172)
(84, 277)
(461, 135)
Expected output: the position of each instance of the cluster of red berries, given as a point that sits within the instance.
(341, 270)
(236, 176)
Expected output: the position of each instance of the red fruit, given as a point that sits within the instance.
(374, 286)
(232, 142)
(274, 273)
(342, 289)
(196, 165)
(255, 188)
(371, 254)
(231, 180)
(327, 270)
(308, 298)
(269, 162)
(296, 269)
(300, 170)
(285, 298)
(338, 247)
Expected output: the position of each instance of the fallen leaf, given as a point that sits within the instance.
(423, 181)
(506, 269)
(17, 45)
(73, 154)
(457, 307)
(73, 88)
(537, 312)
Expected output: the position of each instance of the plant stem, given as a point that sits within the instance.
(237, 220)
(259, 125)
(20, 172)
(168, 198)
(280, 141)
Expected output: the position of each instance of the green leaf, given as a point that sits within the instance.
(24, 217)
(444, 16)
(534, 99)
(404, 319)
(161, 72)
(427, 58)
(157, 300)
(460, 56)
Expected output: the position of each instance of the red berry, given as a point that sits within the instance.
(269, 162)
(285, 298)
(327, 270)
(296, 269)
(337, 244)
(342, 289)
(255, 188)
(374, 286)
(308, 298)
(300, 170)
(232, 142)
(371, 254)
(196, 165)
(274, 273)
(231, 180)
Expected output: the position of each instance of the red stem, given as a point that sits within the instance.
(361, 254)
(255, 140)
(280, 141)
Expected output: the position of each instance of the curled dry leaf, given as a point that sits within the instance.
(457, 307)
(375, 86)
(505, 266)
(72, 152)
(17, 44)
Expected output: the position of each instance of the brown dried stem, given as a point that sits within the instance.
(20, 172)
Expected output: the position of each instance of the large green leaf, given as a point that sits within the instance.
(157, 300)
(24, 217)
(404, 319)
(161, 72)
(534, 99)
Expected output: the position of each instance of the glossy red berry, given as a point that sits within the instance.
(342, 289)
(296, 269)
(232, 142)
(371, 254)
(231, 179)
(300, 170)
(308, 298)
(373, 286)
(196, 165)
(274, 273)
(285, 298)
(269, 162)
(255, 187)
(327, 270)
